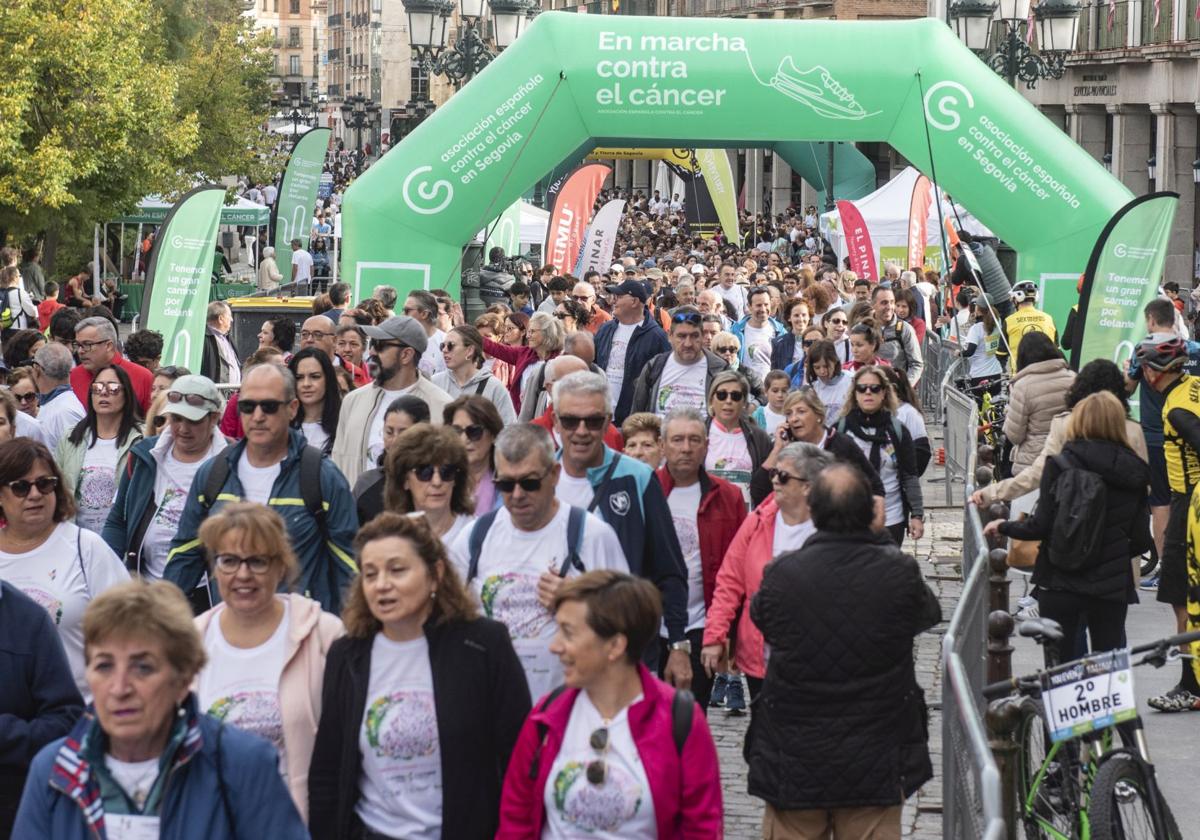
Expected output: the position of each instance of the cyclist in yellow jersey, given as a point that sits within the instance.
(1161, 357)
(1193, 577)
(1025, 320)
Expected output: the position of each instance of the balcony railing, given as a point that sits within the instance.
(334, 21)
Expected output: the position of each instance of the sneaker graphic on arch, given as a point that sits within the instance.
(817, 89)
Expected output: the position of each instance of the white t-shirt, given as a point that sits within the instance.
(461, 523)
(401, 779)
(59, 416)
(757, 352)
(97, 485)
(269, 193)
(893, 505)
(574, 491)
(172, 482)
(736, 295)
(30, 427)
(302, 261)
(983, 360)
(432, 360)
(684, 503)
(912, 420)
(790, 537)
(241, 685)
(681, 386)
(257, 481)
(315, 434)
(375, 435)
(834, 395)
(510, 563)
(772, 420)
(621, 809)
(729, 457)
(64, 574)
(616, 360)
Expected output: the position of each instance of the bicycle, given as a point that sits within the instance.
(1082, 786)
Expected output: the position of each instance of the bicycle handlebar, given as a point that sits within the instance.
(1021, 684)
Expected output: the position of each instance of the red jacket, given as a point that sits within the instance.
(141, 379)
(686, 788)
(520, 357)
(738, 581)
(613, 438)
(722, 511)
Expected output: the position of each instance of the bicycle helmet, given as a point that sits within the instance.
(1025, 290)
(1162, 351)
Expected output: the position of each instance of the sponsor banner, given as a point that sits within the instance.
(298, 195)
(179, 277)
(570, 215)
(602, 238)
(918, 221)
(858, 241)
(718, 178)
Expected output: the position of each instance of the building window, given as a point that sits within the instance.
(293, 65)
(419, 87)
(293, 37)
(294, 6)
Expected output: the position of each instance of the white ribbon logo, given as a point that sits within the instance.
(947, 105)
(427, 193)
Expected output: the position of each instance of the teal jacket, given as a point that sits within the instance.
(326, 557)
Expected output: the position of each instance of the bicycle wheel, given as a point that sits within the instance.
(1119, 806)
(1149, 560)
(1045, 789)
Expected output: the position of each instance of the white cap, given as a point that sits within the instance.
(616, 268)
(698, 269)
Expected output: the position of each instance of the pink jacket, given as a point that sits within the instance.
(310, 634)
(686, 788)
(738, 579)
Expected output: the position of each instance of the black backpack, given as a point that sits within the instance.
(575, 521)
(1077, 536)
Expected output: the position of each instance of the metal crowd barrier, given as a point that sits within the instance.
(941, 365)
(972, 801)
(959, 434)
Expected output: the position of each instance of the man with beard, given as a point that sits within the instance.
(396, 348)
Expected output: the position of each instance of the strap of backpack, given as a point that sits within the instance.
(575, 522)
(479, 388)
(608, 474)
(683, 707)
(310, 484)
(79, 556)
(217, 476)
(542, 729)
(475, 542)
(133, 552)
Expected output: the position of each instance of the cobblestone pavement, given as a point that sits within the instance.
(939, 553)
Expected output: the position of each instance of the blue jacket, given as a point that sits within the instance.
(633, 503)
(326, 559)
(38, 698)
(195, 796)
(739, 329)
(783, 348)
(647, 341)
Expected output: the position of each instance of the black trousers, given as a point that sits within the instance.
(1105, 621)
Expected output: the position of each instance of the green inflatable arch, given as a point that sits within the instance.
(576, 81)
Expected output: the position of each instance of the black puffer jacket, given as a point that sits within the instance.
(841, 722)
(1126, 521)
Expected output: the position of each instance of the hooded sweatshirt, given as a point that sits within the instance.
(491, 388)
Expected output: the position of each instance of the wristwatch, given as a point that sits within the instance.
(684, 645)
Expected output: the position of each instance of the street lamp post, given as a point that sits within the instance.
(300, 114)
(358, 113)
(427, 26)
(1011, 56)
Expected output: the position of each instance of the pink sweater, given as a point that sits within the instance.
(686, 788)
(310, 634)
(738, 580)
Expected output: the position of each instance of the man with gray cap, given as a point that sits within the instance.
(150, 498)
(397, 345)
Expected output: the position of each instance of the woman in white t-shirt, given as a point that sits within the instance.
(736, 446)
(43, 554)
(426, 473)
(93, 455)
(601, 757)
(423, 699)
(980, 348)
(827, 378)
(837, 330)
(320, 399)
(266, 650)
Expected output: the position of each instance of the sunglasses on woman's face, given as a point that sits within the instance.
(424, 473)
(838, 322)
(868, 389)
(727, 351)
(784, 477)
(723, 395)
(472, 432)
(110, 388)
(45, 485)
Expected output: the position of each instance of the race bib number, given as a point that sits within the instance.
(1090, 694)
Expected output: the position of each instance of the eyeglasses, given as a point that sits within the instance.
(597, 770)
(868, 389)
(722, 395)
(424, 473)
(594, 422)
(45, 485)
(449, 346)
(267, 406)
(313, 335)
(30, 398)
(88, 346)
(191, 399)
(409, 310)
(581, 298)
(783, 478)
(687, 318)
(530, 484)
(472, 432)
(837, 321)
(808, 342)
(562, 316)
(727, 351)
(110, 388)
(230, 563)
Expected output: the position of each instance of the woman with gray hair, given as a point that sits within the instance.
(544, 339)
(780, 524)
(269, 275)
(736, 445)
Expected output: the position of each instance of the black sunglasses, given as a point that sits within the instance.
(722, 395)
(868, 389)
(424, 473)
(687, 318)
(268, 406)
(472, 432)
(594, 422)
(45, 485)
(597, 770)
(530, 484)
(783, 478)
(191, 399)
